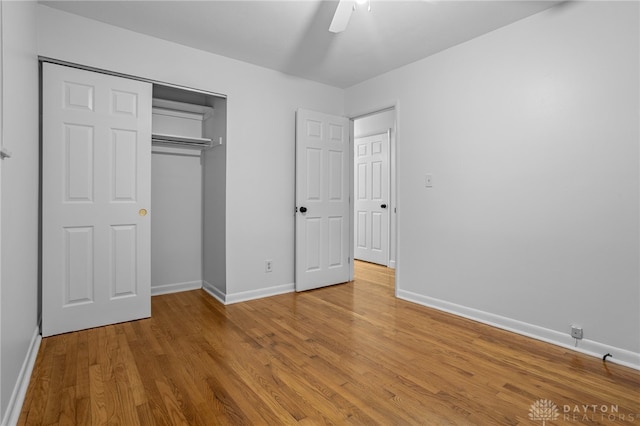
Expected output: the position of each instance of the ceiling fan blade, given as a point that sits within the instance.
(342, 16)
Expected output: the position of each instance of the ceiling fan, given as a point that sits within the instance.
(343, 14)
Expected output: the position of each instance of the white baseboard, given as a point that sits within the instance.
(585, 346)
(392, 264)
(20, 390)
(213, 291)
(175, 288)
(243, 296)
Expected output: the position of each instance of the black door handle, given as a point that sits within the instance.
(383, 206)
(303, 209)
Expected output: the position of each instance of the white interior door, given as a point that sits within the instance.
(371, 205)
(322, 200)
(96, 185)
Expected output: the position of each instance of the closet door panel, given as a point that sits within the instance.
(78, 163)
(78, 274)
(124, 279)
(96, 154)
(124, 165)
(78, 96)
(124, 103)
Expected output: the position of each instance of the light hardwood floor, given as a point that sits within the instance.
(346, 354)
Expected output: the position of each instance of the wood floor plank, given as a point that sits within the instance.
(40, 389)
(54, 396)
(97, 392)
(345, 354)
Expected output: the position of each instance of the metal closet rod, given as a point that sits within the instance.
(167, 142)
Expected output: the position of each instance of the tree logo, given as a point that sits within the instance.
(543, 409)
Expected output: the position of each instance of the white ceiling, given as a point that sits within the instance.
(293, 37)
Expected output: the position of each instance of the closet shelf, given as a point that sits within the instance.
(184, 141)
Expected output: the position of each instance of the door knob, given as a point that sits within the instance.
(303, 209)
(383, 206)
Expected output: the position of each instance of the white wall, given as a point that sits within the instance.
(19, 261)
(2, 409)
(260, 132)
(374, 124)
(176, 221)
(214, 196)
(531, 133)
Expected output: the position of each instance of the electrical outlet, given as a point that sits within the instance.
(268, 265)
(428, 180)
(576, 332)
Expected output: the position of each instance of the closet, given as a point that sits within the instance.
(182, 133)
(133, 195)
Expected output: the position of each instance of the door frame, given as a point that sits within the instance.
(154, 82)
(42, 59)
(393, 176)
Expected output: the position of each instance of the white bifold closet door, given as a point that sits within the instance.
(96, 185)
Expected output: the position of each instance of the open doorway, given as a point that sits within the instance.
(374, 206)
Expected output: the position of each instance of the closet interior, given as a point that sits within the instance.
(187, 190)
